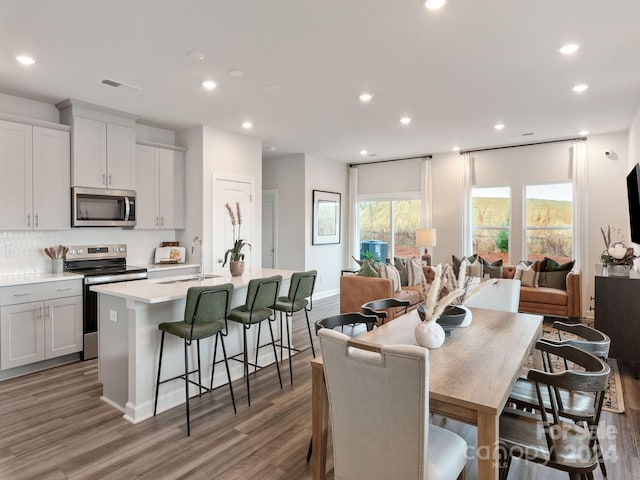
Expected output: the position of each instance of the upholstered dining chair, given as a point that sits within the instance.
(577, 406)
(379, 307)
(258, 307)
(503, 295)
(382, 393)
(205, 315)
(299, 298)
(563, 444)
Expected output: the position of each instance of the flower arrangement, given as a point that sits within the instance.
(437, 299)
(616, 253)
(450, 283)
(235, 254)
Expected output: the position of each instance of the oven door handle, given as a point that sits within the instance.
(120, 277)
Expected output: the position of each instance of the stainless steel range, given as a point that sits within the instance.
(99, 264)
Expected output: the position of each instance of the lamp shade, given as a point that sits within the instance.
(426, 237)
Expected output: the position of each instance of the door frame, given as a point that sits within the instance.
(274, 193)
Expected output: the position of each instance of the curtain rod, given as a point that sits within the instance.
(390, 160)
(522, 145)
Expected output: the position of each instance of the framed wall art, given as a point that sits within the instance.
(326, 217)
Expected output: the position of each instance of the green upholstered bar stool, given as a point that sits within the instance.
(261, 298)
(298, 298)
(205, 315)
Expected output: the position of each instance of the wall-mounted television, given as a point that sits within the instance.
(633, 195)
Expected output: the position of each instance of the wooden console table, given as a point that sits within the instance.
(617, 302)
(470, 377)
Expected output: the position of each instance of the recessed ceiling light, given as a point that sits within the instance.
(198, 56)
(583, 132)
(365, 97)
(580, 88)
(209, 84)
(405, 120)
(363, 152)
(234, 72)
(247, 125)
(434, 4)
(456, 148)
(25, 60)
(498, 126)
(569, 48)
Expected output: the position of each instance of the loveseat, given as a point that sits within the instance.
(356, 290)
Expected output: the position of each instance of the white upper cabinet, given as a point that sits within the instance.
(34, 185)
(103, 146)
(160, 200)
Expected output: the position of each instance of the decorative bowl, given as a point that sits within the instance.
(450, 319)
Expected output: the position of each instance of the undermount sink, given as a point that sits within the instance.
(187, 279)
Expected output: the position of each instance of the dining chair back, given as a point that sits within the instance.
(379, 307)
(503, 295)
(565, 445)
(382, 393)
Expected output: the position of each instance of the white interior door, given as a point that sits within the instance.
(269, 231)
(231, 191)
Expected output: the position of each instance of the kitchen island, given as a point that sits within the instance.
(129, 340)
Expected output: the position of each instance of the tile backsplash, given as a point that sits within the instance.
(21, 252)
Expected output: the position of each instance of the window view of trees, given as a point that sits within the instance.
(490, 222)
(394, 223)
(549, 221)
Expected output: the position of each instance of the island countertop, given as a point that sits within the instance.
(174, 288)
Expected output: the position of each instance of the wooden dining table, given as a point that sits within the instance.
(470, 377)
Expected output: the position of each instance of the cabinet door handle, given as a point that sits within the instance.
(63, 289)
(21, 294)
(103, 179)
(109, 179)
(36, 219)
(162, 221)
(157, 222)
(42, 312)
(28, 219)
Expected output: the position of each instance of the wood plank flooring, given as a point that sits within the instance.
(54, 426)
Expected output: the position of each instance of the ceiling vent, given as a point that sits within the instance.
(123, 86)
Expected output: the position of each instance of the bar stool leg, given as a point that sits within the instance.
(255, 365)
(199, 375)
(226, 364)
(215, 354)
(275, 353)
(186, 384)
(246, 365)
(288, 345)
(281, 342)
(155, 404)
(313, 350)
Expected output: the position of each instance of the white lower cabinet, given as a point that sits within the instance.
(39, 330)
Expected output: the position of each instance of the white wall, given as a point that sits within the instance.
(22, 107)
(213, 151)
(287, 176)
(328, 260)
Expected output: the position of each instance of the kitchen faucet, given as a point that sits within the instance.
(193, 248)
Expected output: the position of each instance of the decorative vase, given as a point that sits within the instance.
(429, 334)
(467, 318)
(618, 270)
(236, 268)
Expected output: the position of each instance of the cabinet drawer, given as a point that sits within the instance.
(34, 292)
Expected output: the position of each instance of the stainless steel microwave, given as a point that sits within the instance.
(102, 207)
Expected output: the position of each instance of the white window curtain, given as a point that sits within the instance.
(426, 194)
(580, 222)
(354, 218)
(467, 171)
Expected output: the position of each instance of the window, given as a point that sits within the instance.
(549, 221)
(490, 222)
(388, 228)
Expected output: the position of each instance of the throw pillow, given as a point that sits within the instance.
(401, 265)
(414, 271)
(367, 269)
(493, 269)
(555, 274)
(528, 273)
(390, 272)
(457, 261)
(474, 269)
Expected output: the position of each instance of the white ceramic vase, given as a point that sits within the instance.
(429, 334)
(467, 318)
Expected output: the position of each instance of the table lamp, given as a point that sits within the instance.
(426, 237)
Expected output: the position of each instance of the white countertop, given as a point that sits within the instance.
(174, 288)
(10, 280)
(159, 267)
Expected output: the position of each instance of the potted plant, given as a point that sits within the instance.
(234, 255)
